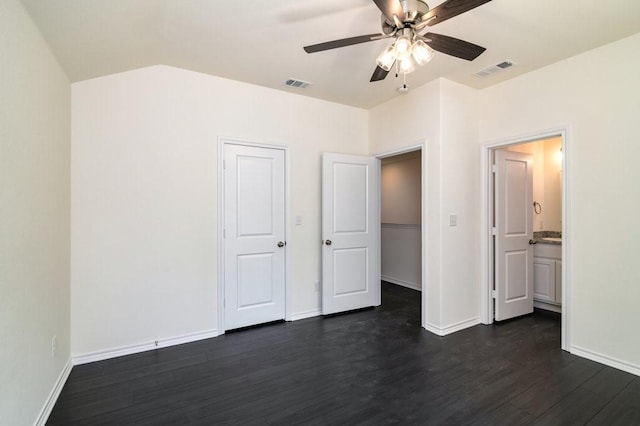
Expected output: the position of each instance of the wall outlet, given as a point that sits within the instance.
(316, 286)
(54, 346)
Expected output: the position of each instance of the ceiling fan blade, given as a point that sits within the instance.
(451, 8)
(390, 8)
(378, 74)
(453, 46)
(341, 43)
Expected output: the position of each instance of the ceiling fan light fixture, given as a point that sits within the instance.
(403, 47)
(421, 52)
(406, 66)
(387, 58)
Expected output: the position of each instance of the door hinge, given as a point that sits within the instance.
(494, 231)
(494, 294)
(494, 168)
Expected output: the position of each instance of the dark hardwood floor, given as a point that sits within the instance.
(369, 367)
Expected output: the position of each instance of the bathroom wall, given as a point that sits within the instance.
(547, 182)
(552, 206)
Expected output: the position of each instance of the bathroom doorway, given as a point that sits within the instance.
(544, 242)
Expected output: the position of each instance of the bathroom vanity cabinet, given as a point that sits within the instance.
(547, 276)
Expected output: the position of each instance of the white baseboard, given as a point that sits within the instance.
(306, 314)
(54, 394)
(547, 306)
(397, 281)
(142, 347)
(606, 360)
(449, 329)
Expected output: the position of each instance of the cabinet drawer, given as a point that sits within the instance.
(547, 250)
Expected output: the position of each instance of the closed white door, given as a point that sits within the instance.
(350, 232)
(514, 231)
(254, 235)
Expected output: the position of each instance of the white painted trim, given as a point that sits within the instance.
(403, 283)
(486, 246)
(222, 140)
(143, 347)
(220, 205)
(54, 394)
(485, 226)
(567, 238)
(422, 145)
(288, 253)
(306, 314)
(409, 148)
(547, 306)
(606, 360)
(400, 225)
(453, 328)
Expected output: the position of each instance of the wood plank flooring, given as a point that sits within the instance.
(369, 367)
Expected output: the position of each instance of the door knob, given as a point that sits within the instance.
(531, 242)
(328, 242)
(281, 244)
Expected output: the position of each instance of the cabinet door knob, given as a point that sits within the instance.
(281, 244)
(328, 242)
(531, 242)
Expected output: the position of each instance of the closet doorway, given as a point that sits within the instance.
(401, 219)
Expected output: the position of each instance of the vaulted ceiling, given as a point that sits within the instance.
(260, 42)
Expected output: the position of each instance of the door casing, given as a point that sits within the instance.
(222, 141)
(486, 214)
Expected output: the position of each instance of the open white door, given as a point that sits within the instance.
(254, 235)
(514, 234)
(350, 232)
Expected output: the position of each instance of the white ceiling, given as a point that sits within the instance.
(260, 42)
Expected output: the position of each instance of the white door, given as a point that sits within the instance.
(350, 232)
(514, 231)
(254, 235)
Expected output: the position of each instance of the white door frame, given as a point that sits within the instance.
(486, 209)
(418, 145)
(222, 141)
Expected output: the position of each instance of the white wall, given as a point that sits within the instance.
(401, 254)
(460, 172)
(144, 195)
(596, 95)
(445, 114)
(34, 217)
(400, 189)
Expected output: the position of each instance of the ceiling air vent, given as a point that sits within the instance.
(297, 83)
(495, 68)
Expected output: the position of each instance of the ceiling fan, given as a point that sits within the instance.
(404, 20)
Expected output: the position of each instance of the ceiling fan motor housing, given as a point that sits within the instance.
(413, 10)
